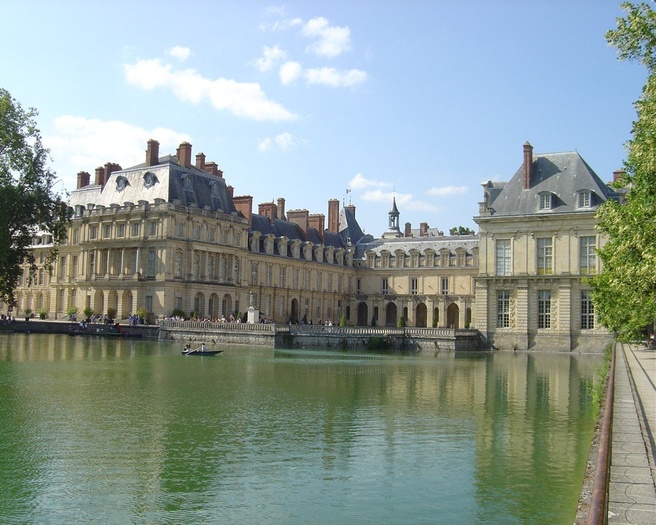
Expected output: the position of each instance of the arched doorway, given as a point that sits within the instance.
(226, 306)
(127, 307)
(199, 304)
(452, 316)
(363, 314)
(390, 314)
(294, 315)
(421, 315)
(213, 308)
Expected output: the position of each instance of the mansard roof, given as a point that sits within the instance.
(421, 244)
(563, 175)
(167, 181)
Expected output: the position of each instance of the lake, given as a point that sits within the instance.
(97, 430)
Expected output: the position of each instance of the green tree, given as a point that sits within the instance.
(461, 230)
(27, 201)
(624, 293)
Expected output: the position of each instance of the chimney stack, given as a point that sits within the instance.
(100, 176)
(244, 205)
(268, 209)
(408, 230)
(617, 174)
(318, 222)
(200, 161)
(152, 153)
(281, 208)
(333, 215)
(184, 154)
(528, 164)
(423, 229)
(213, 168)
(299, 217)
(83, 178)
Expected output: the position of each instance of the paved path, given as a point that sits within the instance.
(633, 473)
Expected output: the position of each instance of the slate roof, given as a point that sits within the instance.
(561, 174)
(421, 244)
(168, 181)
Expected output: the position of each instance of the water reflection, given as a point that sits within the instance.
(131, 431)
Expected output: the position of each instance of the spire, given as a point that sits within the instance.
(393, 229)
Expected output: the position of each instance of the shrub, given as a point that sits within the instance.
(342, 320)
(88, 312)
(177, 312)
(42, 313)
(111, 313)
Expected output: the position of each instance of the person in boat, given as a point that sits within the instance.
(187, 348)
(203, 348)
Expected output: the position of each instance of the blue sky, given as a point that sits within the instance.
(422, 100)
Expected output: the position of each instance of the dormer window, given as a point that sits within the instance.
(546, 201)
(585, 199)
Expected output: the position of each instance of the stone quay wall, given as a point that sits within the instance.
(419, 340)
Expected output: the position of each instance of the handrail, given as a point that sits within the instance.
(599, 499)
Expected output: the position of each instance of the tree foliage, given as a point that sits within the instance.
(624, 292)
(461, 230)
(27, 201)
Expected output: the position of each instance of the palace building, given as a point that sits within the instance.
(170, 236)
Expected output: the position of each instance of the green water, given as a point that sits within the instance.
(104, 431)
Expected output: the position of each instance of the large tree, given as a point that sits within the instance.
(28, 203)
(625, 292)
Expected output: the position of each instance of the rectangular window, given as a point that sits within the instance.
(211, 234)
(93, 232)
(177, 265)
(503, 309)
(153, 228)
(152, 259)
(413, 285)
(545, 201)
(197, 232)
(283, 277)
(588, 254)
(545, 256)
(149, 303)
(295, 277)
(544, 309)
(75, 266)
(584, 199)
(587, 311)
(385, 286)
(179, 229)
(268, 275)
(254, 274)
(358, 285)
(135, 229)
(76, 236)
(502, 254)
(107, 231)
(444, 288)
(120, 230)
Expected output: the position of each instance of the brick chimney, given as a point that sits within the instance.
(423, 229)
(617, 174)
(231, 191)
(213, 168)
(281, 208)
(333, 215)
(100, 176)
(268, 209)
(184, 154)
(528, 164)
(408, 230)
(352, 208)
(200, 161)
(152, 153)
(244, 205)
(299, 217)
(318, 222)
(83, 179)
(110, 167)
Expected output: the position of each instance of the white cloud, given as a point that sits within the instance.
(243, 99)
(180, 52)
(359, 182)
(270, 57)
(331, 40)
(283, 25)
(329, 76)
(447, 191)
(284, 141)
(82, 144)
(289, 72)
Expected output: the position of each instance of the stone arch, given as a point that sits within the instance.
(293, 317)
(363, 314)
(127, 304)
(452, 316)
(213, 306)
(199, 304)
(98, 303)
(436, 316)
(421, 315)
(375, 317)
(112, 300)
(226, 305)
(390, 314)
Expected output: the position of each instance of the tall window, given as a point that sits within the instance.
(587, 311)
(283, 277)
(153, 228)
(254, 274)
(444, 286)
(588, 255)
(135, 229)
(503, 257)
(544, 309)
(120, 230)
(503, 309)
(152, 259)
(413, 285)
(385, 286)
(268, 275)
(545, 256)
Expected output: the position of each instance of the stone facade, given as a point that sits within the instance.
(170, 236)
